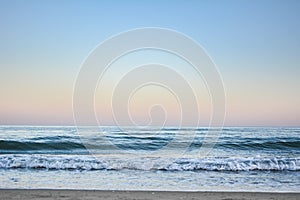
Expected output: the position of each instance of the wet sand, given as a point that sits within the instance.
(141, 195)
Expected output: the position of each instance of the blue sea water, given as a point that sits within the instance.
(110, 158)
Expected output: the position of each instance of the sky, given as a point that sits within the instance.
(255, 45)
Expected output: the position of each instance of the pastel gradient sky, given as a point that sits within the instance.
(255, 44)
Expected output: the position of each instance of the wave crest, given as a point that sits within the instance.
(50, 162)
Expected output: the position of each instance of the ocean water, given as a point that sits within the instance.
(110, 158)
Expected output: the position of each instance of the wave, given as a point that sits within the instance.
(50, 162)
(66, 143)
(36, 145)
(255, 144)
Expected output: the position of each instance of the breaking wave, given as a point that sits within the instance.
(69, 162)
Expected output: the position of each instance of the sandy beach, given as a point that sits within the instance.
(109, 195)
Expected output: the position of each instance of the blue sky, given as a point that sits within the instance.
(255, 44)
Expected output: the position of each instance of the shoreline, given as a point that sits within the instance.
(46, 194)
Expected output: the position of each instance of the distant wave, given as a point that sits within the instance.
(63, 143)
(37, 145)
(50, 162)
(256, 144)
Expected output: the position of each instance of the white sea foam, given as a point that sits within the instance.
(71, 162)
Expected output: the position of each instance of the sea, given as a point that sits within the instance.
(147, 158)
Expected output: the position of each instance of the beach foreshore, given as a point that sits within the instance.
(49, 194)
